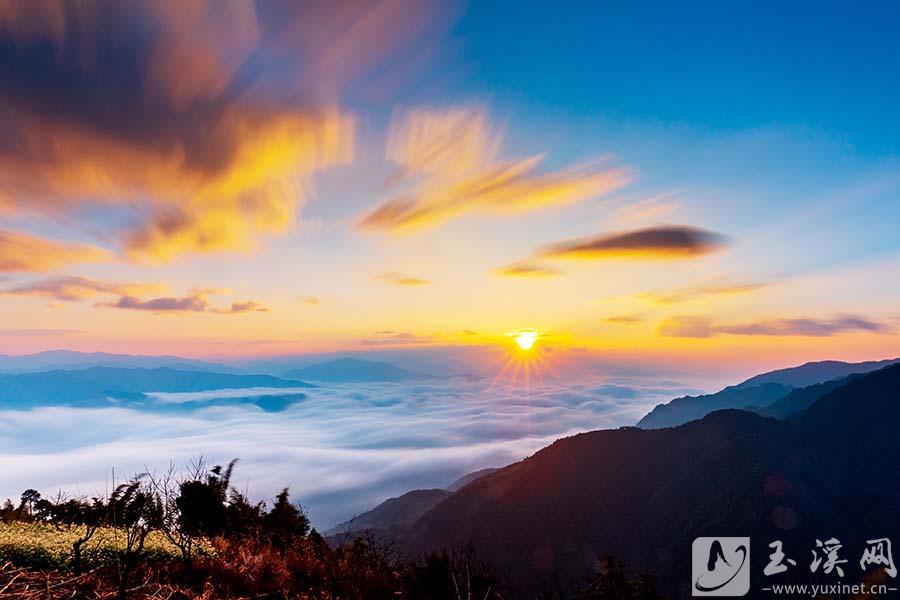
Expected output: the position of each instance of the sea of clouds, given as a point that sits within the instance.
(341, 449)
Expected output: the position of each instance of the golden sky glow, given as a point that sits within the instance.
(306, 180)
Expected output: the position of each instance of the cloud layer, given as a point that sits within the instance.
(342, 450)
(451, 160)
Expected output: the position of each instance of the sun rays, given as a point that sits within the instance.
(524, 363)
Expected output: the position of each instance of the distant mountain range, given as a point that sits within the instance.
(337, 370)
(105, 386)
(757, 393)
(350, 370)
(644, 495)
(69, 359)
(816, 372)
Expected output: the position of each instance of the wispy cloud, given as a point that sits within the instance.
(210, 121)
(686, 294)
(452, 159)
(401, 279)
(21, 252)
(664, 242)
(645, 210)
(241, 307)
(704, 327)
(526, 269)
(73, 288)
(687, 326)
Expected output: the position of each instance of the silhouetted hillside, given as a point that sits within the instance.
(644, 495)
(688, 408)
(469, 478)
(800, 399)
(392, 516)
(354, 370)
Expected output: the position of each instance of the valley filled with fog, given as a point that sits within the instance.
(341, 447)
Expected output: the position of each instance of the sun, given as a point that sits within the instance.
(525, 338)
(526, 361)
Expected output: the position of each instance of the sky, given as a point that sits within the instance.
(704, 186)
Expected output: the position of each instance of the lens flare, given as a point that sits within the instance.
(526, 339)
(527, 362)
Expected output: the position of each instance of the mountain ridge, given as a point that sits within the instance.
(757, 392)
(643, 494)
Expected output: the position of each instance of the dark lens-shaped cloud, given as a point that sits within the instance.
(664, 242)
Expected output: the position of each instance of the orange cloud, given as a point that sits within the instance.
(524, 269)
(205, 118)
(456, 156)
(26, 253)
(663, 242)
(258, 192)
(400, 279)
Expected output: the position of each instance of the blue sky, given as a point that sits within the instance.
(827, 66)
